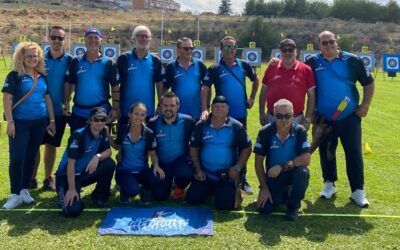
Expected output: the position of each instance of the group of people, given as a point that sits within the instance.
(193, 152)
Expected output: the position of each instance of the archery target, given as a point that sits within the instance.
(306, 54)
(199, 53)
(167, 54)
(368, 59)
(78, 49)
(391, 62)
(111, 51)
(252, 56)
(276, 53)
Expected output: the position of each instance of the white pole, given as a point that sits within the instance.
(69, 38)
(47, 28)
(198, 27)
(162, 27)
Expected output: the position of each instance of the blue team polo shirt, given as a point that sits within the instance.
(172, 139)
(82, 146)
(186, 84)
(32, 108)
(92, 82)
(134, 154)
(227, 85)
(219, 148)
(268, 144)
(56, 69)
(137, 78)
(336, 83)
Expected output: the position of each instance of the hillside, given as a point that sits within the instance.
(30, 20)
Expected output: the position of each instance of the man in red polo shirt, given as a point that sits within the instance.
(288, 79)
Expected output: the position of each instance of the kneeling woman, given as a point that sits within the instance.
(28, 110)
(133, 174)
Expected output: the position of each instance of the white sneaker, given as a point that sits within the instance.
(358, 197)
(13, 201)
(247, 188)
(328, 191)
(26, 196)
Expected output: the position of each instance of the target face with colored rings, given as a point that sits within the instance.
(167, 54)
(366, 60)
(392, 63)
(252, 57)
(196, 54)
(79, 51)
(109, 52)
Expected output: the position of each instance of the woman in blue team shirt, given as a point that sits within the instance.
(28, 110)
(133, 174)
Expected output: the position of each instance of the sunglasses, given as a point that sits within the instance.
(280, 116)
(331, 42)
(59, 38)
(99, 119)
(187, 48)
(229, 47)
(285, 50)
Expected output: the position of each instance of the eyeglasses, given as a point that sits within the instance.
(331, 42)
(285, 50)
(229, 47)
(31, 57)
(143, 36)
(187, 48)
(59, 38)
(280, 116)
(99, 120)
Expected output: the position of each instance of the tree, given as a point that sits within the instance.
(392, 12)
(250, 7)
(225, 7)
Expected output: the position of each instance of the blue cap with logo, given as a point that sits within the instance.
(94, 31)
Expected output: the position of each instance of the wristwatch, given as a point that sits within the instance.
(98, 155)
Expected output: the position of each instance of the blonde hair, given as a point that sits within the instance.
(19, 57)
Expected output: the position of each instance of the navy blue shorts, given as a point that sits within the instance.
(55, 140)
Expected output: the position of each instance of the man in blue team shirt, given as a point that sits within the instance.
(139, 75)
(172, 131)
(229, 79)
(336, 73)
(86, 160)
(219, 149)
(57, 63)
(284, 144)
(185, 77)
(92, 74)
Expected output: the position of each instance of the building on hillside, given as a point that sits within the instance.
(170, 5)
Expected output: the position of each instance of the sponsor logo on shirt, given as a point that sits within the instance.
(89, 149)
(274, 145)
(161, 134)
(306, 144)
(223, 74)
(208, 135)
(81, 70)
(258, 145)
(320, 67)
(132, 67)
(74, 144)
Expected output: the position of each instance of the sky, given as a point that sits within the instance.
(199, 6)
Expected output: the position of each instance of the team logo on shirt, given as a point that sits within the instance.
(274, 145)
(161, 134)
(89, 149)
(223, 74)
(74, 144)
(208, 135)
(320, 67)
(178, 74)
(132, 67)
(81, 70)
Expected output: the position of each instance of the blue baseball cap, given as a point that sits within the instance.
(220, 99)
(93, 31)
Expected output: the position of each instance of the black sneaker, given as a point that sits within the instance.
(33, 184)
(48, 184)
(145, 197)
(292, 214)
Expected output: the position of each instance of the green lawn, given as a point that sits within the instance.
(318, 227)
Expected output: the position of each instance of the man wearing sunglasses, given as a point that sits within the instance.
(284, 144)
(139, 76)
(86, 160)
(229, 79)
(92, 75)
(336, 74)
(185, 78)
(288, 79)
(57, 63)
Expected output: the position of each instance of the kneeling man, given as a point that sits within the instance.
(86, 160)
(219, 148)
(287, 150)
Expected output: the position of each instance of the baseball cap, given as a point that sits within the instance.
(97, 112)
(220, 99)
(287, 42)
(93, 31)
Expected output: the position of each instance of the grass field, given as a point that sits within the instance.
(337, 224)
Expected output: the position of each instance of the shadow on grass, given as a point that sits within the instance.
(272, 228)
